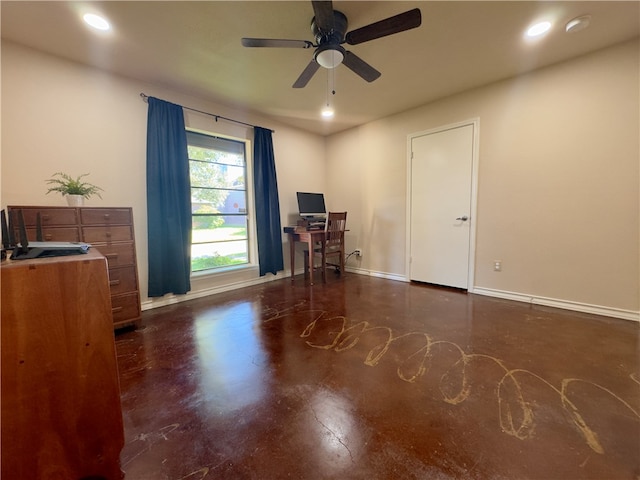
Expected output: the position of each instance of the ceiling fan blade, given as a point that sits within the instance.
(306, 74)
(389, 26)
(323, 12)
(360, 67)
(273, 42)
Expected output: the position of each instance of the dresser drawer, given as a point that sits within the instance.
(122, 280)
(49, 216)
(117, 254)
(107, 234)
(125, 307)
(104, 216)
(54, 234)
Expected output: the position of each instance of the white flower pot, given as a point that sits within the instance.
(75, 200)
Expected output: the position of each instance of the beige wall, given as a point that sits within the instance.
(557, 187)
(61, 116)
(558, 169)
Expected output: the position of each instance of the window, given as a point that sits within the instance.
(218, 171)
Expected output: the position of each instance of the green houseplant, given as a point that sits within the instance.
(74, 188)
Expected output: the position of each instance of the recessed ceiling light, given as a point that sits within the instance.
(96, 21)
(538, 29)
(578, 24)
(327, 112)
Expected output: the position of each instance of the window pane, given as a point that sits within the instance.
(234, 202)
(216, 175)
(217, 169)
(218, 228)
(214, 255)
(217, 144)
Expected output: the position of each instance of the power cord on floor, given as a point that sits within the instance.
(337, 267)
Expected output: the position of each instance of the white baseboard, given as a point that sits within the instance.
(373, 273)
(173, 299)
(518, 297)
(564, 304)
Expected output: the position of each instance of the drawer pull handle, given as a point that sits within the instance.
(108, 234)
(106, 216)
(114, 283)
(116, 309)
(48, 236)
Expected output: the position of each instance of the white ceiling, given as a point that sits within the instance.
(195, 47)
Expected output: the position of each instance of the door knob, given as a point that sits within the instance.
(464, 218)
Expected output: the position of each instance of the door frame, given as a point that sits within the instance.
(475, 123)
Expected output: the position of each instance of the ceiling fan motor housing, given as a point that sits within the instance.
(329, 52)
(335, 34)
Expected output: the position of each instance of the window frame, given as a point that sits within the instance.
(252, 248)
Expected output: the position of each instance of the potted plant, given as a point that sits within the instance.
(75, 189)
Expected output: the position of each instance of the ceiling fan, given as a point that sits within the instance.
(329, 27)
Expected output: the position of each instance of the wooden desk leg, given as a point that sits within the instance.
(310, 246)
(324, 262)
(292, 253)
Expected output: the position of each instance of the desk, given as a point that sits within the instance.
(310, 237)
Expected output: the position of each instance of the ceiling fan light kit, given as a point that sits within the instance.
(329, 28)
(330, 56)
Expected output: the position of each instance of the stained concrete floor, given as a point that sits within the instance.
(366, 378)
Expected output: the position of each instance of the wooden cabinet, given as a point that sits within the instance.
(108, 230)
(60, 400)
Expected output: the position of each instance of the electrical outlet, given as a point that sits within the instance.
(497, 265)
(358, 252)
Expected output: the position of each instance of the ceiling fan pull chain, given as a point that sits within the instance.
(333, 81)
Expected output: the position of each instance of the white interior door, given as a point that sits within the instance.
(440, 205)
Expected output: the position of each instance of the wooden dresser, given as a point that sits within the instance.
(108, 230)
(60, 401)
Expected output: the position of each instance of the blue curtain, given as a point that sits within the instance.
(168, 200)
(267, 204)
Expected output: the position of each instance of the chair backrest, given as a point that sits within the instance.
(335, 227)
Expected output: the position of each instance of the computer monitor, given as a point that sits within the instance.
(311, 205)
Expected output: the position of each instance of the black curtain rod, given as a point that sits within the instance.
(145, 97)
